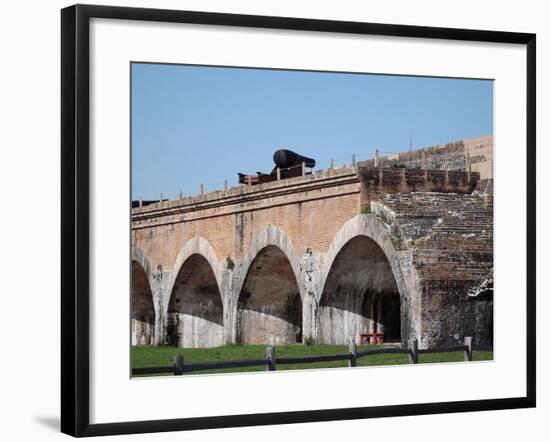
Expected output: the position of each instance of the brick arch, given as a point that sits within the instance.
(143, 307)
(376, 230)
(269, 236)
(269, 299)
(194, 315)
(140, 257)
(362, 287)
(197, 246)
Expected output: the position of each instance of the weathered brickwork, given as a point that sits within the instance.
(376, 183)
(231, 220)
(478, 152)
(323, 257)
(360, 294)
(195, 310)
(450, 237)
(143, 316)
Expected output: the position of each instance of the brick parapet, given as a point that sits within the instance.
(326, 177)
(330, 183)
(450, 156)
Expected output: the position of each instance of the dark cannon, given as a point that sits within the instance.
(285, 159)
(288, 163)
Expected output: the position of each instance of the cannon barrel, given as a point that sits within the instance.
(285, 158)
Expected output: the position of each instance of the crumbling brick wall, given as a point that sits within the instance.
(450, 237)
(478, 152)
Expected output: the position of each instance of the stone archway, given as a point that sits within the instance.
(360, 295)
(195, 307)
(362, 288)
(142, 305)
(269, 308)
(269, 236)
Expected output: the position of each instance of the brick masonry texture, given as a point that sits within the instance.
(323, 257)
(451, 156)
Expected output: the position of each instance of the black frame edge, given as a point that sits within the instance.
(68, 245)
(75, 199)
(75, 225)
(297, 417)
(531, 108)
(302, 24)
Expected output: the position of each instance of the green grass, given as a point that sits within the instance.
(150, 356)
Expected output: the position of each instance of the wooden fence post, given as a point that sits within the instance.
(468, 352)
(270, 354)
(352, 349)
(178, 365)
(413, 351)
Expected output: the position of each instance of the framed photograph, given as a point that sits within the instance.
(273, 220)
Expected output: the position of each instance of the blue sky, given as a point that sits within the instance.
(193, 125)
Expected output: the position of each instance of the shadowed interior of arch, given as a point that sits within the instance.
(269, 307)
(195, 311)
(360, 295)
(480, 307)
(143, 310)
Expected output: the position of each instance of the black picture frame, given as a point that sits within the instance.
(75, 212)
